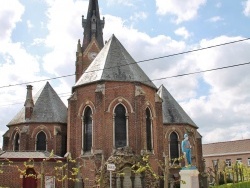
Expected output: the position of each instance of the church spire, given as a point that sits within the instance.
(93, 25)
(92, 39)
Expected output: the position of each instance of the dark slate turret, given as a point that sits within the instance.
(93, 25)
(47, 107)
(114, 63)
(173, 113)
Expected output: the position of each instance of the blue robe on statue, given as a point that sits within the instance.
(186, 147)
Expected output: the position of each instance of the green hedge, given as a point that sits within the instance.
(236, 185)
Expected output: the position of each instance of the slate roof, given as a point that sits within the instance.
(172, 111)
(114, 63)
(226, 148)
(48, 108)
(198, 135)
(26, 154)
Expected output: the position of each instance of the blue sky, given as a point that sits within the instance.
(38, 41)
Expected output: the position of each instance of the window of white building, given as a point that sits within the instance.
(228, 162)
(239, 160)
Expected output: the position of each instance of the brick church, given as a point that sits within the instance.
(115, 115)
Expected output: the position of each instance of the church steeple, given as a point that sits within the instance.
(93, 25)
(92, 39)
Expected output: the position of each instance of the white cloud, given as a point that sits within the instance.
(227, 134)
(183, 32)
(64, 30)
(223, 56)
(139, 16)
(10, 14)
(227, 103)
(183, 10)
(17, 65)
(218, 5)
(29, 24)
(134, 39)
(215, 19)
(129, 3)
(247, 8)
(141, 46)
(38, 41)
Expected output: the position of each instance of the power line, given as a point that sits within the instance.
(25, 83)
(151, 59)
(60, 95)
(163, 78)
(196, 50)
(208, 70)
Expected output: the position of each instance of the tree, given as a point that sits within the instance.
(145, 167)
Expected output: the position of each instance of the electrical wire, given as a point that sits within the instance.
(25, 83)
(152, 59)
(163, 78)
(196, 50)
(203, 71)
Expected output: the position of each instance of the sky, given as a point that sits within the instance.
(38, 40)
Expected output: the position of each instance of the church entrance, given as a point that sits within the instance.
(30, 178)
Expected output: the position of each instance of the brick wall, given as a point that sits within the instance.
(28, 132)
(103, 113)
(13, 178)
(83, 60)
(223, 158)
(103, 103)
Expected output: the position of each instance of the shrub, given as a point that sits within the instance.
(236, 185)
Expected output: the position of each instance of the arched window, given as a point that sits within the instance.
(87, 130)
(41, 141)
(174, 146)
(120, 126)
(16, 142)
(148, 130)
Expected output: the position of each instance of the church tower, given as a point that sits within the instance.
(40, 126)
(92, 39)
(116, 117)
(116, 112)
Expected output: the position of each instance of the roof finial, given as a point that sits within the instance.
(79, 49)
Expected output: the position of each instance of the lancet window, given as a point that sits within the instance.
(87, 129)
(41, 141)
(120, 126)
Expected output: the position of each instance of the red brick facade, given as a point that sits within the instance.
(14, 173)
(102, 106)
(83, 60)
(144, 134)
(103, 103)
(55, 137)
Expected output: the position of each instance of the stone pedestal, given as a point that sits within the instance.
(190, 177)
